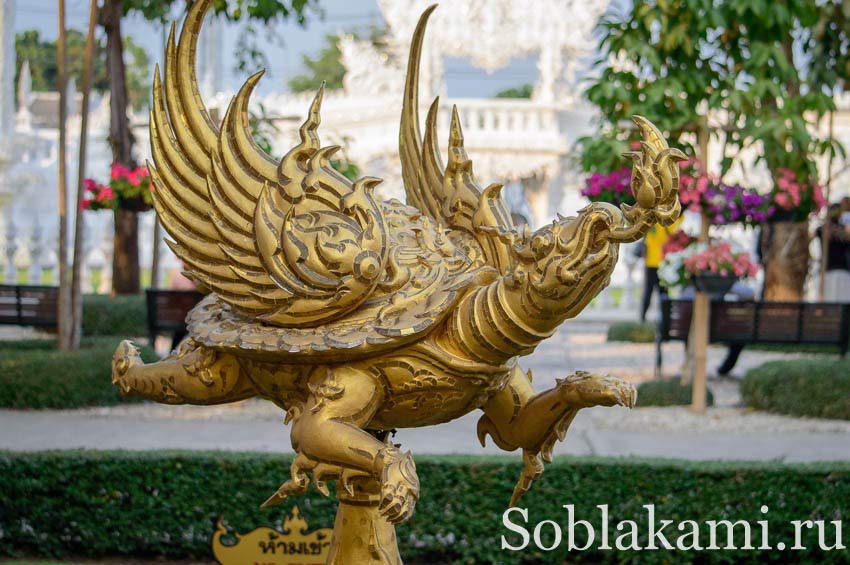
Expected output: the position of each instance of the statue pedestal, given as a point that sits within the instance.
(361, 535)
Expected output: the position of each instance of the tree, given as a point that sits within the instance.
(42, 58)
(125, 265)
(764, 70)
(757, 67)
(523, 91)
(763, 66)
(327, 66)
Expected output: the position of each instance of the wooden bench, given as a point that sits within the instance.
(29, 305)
(749, 322)
(167, 311)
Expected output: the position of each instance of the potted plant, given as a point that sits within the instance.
(714, 268)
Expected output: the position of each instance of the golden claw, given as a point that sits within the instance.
(531, 471)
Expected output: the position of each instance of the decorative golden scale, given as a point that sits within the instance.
(358, 316)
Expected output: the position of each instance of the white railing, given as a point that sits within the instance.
(508, 139)
(29, 257)
(28, 254)
(503, 124)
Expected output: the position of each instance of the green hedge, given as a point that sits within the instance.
(115, 315)
(34, 374)
(162, 504)
(813, 387)
(639, 332)
(667, 392)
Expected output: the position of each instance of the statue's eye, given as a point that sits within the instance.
(541, 243)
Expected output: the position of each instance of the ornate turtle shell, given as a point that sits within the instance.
(425, 274)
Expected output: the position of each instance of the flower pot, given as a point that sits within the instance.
(713, 284)
(135, 204)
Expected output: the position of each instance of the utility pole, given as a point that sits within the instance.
(702, 303)
(824, 232)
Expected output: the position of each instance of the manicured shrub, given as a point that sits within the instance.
(816, 387)
(34, 374)
(165, 505)
(639, 332)
(115, 315)
(667, 392)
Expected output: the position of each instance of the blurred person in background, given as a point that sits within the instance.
(837, 276)
(844, 220)
(653, 254)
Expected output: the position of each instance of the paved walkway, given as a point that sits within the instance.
(725, 432)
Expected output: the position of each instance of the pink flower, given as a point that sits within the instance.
(119, 171)
(105, 194)
(85, 203)
(90, 185)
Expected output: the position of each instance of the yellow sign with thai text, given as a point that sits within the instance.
(268, 546)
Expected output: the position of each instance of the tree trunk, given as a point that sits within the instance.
(786, 259)
(65, 314)
(125, 262)
(125, 255)
(79, 225)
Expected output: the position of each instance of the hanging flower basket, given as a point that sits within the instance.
(127, 189)
(713, 284)
(711, 268)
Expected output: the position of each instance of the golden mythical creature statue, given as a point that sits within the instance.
(358, 316)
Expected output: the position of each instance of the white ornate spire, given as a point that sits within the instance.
(23, 117)
(492, 32)
(7, 66)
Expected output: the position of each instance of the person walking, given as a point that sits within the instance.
(836, 286)
(653, 254)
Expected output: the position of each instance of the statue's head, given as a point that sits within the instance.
(561, 267)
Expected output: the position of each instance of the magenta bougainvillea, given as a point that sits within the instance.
(610, 187)
(790, 199)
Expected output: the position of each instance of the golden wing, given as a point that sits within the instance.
(450, 195)
(291, 243)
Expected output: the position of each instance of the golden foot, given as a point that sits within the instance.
(583, 389)
(400, 485)
(126, 356)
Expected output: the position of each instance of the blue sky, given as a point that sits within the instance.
(285, 51)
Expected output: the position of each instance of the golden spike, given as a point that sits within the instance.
(163, 141)
(294, 162)
(410, 144)
(240, 128)
(309, 129)
(432, 166)
(455, 134)
(194, 112)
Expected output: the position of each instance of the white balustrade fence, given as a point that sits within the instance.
(29, 253)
